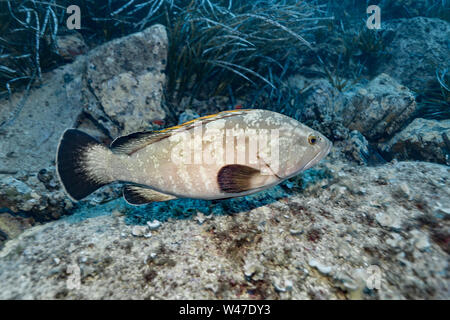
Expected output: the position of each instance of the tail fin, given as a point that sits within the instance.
(79, 162)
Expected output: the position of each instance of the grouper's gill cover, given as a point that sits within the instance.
(229, 154)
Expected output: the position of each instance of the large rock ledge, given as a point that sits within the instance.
(318, 244)
(114, 89)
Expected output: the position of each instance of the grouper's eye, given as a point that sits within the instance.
(312, 139)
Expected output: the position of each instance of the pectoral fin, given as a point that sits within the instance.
(236, 178)
(138, 196)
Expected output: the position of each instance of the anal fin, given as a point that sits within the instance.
(138, 196)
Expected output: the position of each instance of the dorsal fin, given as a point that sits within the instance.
(236, 178)
(136, 141)
(189, 124)
(138, 196)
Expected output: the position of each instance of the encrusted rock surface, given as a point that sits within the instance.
(31, 198)
(377, 109)
(357, 148)
(11, 226)
(31, 195)
(380, 109)
(426, 140)
(187, 115)
(350, 229)
(29, 142)
(29, 191)
(419, 46)
(320, 106)
(70, 46)
(321, 101)
(409, 8)
(125, 79)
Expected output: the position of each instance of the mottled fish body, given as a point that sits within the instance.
(229, 154)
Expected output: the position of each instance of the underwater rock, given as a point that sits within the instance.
(11, 226)
(320, 99)
(393, 9)
(357, 148)
(426, 140)
(34, 198)
(377, 110)
(31, 197)
(187, 115)
(441, 211)
(140, 231)
(153, 225)
(70, 46)
(320, 106)
(380, 109)
(420, 240)
(320, 267)
(253, 270)
(125, 79)
(282, 285)
(17, 195)
(232, 257)
(29, 142)
(200, 217)
(389, 219)
(420, 45)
